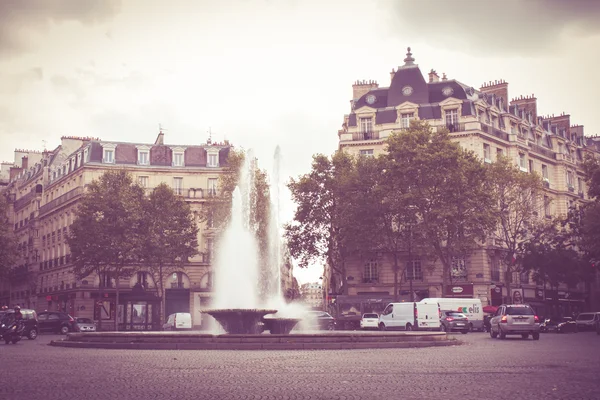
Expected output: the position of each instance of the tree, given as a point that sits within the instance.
(518, 204)
(170, 236)
(8, 240)
(446, 186)
(322, 227)
(106, 236)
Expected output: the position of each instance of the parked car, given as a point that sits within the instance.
(31, 322)
(369, 321)
(319, 320)
(85, 325)
(587, 320)
(56, 322)
(410, 316)
(453, 321)
(515, 319)
(178, 321)
(471, 308)
(559, 325)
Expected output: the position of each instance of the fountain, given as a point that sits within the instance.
(236, 302)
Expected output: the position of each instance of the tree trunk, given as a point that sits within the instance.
(507, 279)
(117, 301)
(161, 295)
(396, 289)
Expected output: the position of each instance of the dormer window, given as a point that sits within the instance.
(213, 157)
(143, 155)
(178, 156)
(108, 153)
(405, 119)
(85, 156)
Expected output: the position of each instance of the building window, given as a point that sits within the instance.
(212, 186)
(143, 157)
(414, 270)
(370, 274)
(545, 172)
(522, 163)
(499, 153)
(452, 119)
(178, 159)
(579, 186)
(366, 125)
(531, 166)
(570, 181)
(109, 156)
(458, 268)
(367, 152)
(405, 119)
(143, 181)
(178, 186)
(486, 153)
(213, 160)
(142, 279)
(546, 206)
(495, 270)
(105, 280)
(524, 276)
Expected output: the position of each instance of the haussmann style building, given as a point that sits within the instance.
(44, 189)
(488, 122)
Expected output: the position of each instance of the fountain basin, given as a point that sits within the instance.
(239, 320)
(279, 326)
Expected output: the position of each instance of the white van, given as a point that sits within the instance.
(410, 316)
(472, 308)
(178, 321)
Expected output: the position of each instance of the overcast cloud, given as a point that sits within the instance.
(262, 72)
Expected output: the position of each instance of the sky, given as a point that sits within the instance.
(262, 73)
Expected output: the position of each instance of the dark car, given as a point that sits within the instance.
(30, 320)
(559, 325)
(453, 321)
(56, 322)
(320, 320)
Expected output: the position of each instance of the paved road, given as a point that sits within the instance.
(556, 367)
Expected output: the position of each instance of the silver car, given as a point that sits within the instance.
(453, 321)
(85, 325)
(515, 319)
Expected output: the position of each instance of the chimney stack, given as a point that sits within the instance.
(392, 74)
(444, 78)
(528, 104)
(360, 88)
(499, 88)
(433, 76)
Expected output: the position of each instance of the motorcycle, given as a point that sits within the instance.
(11, 332)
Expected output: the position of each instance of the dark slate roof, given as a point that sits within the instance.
(195, 156)
(223, 154)
(126, 153)
(468, 108)
(436, 95)
(160, 155)
(408, 76)
(430, 111)
(386, 116)
(352, 120)
(380, 99)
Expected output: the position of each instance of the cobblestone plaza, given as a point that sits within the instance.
(556, 367)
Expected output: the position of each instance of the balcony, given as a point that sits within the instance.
(490, 130)
(541, 150)
(372, 279)
(373, 135)
(51, 205)
(546, 184)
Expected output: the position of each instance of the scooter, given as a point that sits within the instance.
(11, 332)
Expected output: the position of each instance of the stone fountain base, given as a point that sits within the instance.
(239, 320)
(295, 341)
(279, 326)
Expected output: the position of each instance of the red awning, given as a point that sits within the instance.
(490, 309)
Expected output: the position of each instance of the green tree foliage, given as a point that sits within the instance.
(322, 227)
(551, 256)
(518, 204)
(445, 185)
(587, 224)
(106, 236)
(8, 240)
(170, 236)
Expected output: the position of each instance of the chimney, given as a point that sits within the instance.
(433, 76)
(24, 162)
(160, 139)
(444, 78)
(392, 74)
(528, 104)
(360, 88)
(499, 88)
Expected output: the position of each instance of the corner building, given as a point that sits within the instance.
(44, 189)
(487, 122)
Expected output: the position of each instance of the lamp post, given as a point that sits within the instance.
(410, 263)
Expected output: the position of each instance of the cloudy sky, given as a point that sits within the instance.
(266, 72)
